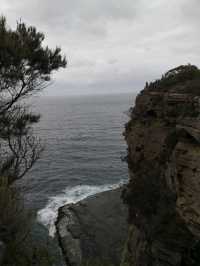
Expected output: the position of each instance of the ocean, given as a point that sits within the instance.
(84, 145)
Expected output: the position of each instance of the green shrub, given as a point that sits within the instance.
(178, 75)
(15, 228)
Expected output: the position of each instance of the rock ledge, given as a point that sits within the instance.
(94, 228)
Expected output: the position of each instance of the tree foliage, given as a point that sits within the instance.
(25, 68)
(177, 76)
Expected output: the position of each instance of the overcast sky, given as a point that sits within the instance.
(112, 45)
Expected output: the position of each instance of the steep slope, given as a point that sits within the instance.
(163, 194)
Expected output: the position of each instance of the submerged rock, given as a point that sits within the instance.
(93, 229)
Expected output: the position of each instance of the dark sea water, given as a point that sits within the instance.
(83, 149)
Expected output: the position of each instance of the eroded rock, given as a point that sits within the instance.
(163, 194)
(93, 229)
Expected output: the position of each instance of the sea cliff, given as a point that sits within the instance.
(163, 194)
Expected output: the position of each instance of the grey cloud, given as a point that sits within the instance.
(83, 17)
(113, 45)
(81, 63)
(112, 61)
(190, 11)
(75, 12)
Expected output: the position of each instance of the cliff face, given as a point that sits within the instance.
(163, 194)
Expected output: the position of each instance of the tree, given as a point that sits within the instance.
(188, 74)
(25, 68)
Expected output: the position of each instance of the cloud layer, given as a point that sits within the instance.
(113, 45)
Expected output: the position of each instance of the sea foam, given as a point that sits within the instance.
(48, 215)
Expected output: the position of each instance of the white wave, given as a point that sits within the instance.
(48, 215)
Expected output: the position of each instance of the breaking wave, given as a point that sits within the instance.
(48, 215)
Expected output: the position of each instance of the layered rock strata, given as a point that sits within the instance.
(163, 194)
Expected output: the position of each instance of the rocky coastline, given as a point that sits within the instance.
(163, 192)
(94, 228)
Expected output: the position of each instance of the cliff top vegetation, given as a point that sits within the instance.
(187, 75)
